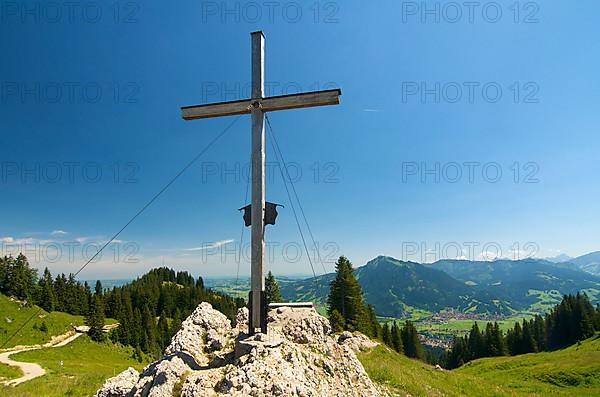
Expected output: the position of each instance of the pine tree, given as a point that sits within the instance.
(98, 290)
(3, 274)
(95, 320)
(539, 332)
(458, 353)
(372, 320)
(499, 341)
(149, 328)
(88, 293)
(20, 280)
(476, 343)
(528, 344)
(396, 337)
(411, 342)
(515, 340)
(44, 327)
(47, 299)
(127, 331)
(345, 296)
(386, 335)
(272, 289)
(176, 323)
(138, 335)
(163, 331)
(338, 324)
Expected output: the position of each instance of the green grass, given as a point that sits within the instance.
(13, 315)
(85, 367)
(404, 376)
(546, 299)
(8, 372)
(574, 371)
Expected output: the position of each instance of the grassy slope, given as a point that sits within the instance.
(8, 372)
(574, 371)
(86, 365)
(57, 323)
(405, 376)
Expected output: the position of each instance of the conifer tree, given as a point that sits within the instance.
(164, 338)
(20, 280)
(338, 324)
(396, 338)
(3, 274)
(476, 342)
(149, 328)
(411, 342)
(98, 290)
(498, 340)
(372, 320)
(528, 344)
(176, 323)
(138, 335)
(95, 319)
(47, 299)
(60, 285)
(272, 289)
(386, 335)
(346, 298)
(458, 354)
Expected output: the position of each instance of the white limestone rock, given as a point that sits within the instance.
(120, 385)
(298, 357)
(204, 332)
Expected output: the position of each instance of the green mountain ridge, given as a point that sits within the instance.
(498, 287)
(588, 263)
(390, 284)
(514, 281)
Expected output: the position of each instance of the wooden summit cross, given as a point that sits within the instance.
(257, 106)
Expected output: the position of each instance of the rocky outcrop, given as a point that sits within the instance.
(120, 385)
(204, 334)
(207, 357)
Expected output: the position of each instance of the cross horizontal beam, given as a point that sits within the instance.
(269, 104)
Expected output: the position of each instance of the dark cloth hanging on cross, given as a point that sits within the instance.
(270, 213)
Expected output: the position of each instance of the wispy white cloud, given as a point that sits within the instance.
(371, 110)
(216, 244)
(9, 240)
(58, 233)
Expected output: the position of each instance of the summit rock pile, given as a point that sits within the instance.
(209, 357)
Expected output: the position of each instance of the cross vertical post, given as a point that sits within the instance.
(257, 106)
(257, 280)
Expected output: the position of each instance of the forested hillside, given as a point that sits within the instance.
(150, 309)
(573, 320)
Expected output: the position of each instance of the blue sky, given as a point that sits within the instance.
(368, 166)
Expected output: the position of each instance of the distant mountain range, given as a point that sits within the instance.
(392, 285)
(588, 263)
(559, 258)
